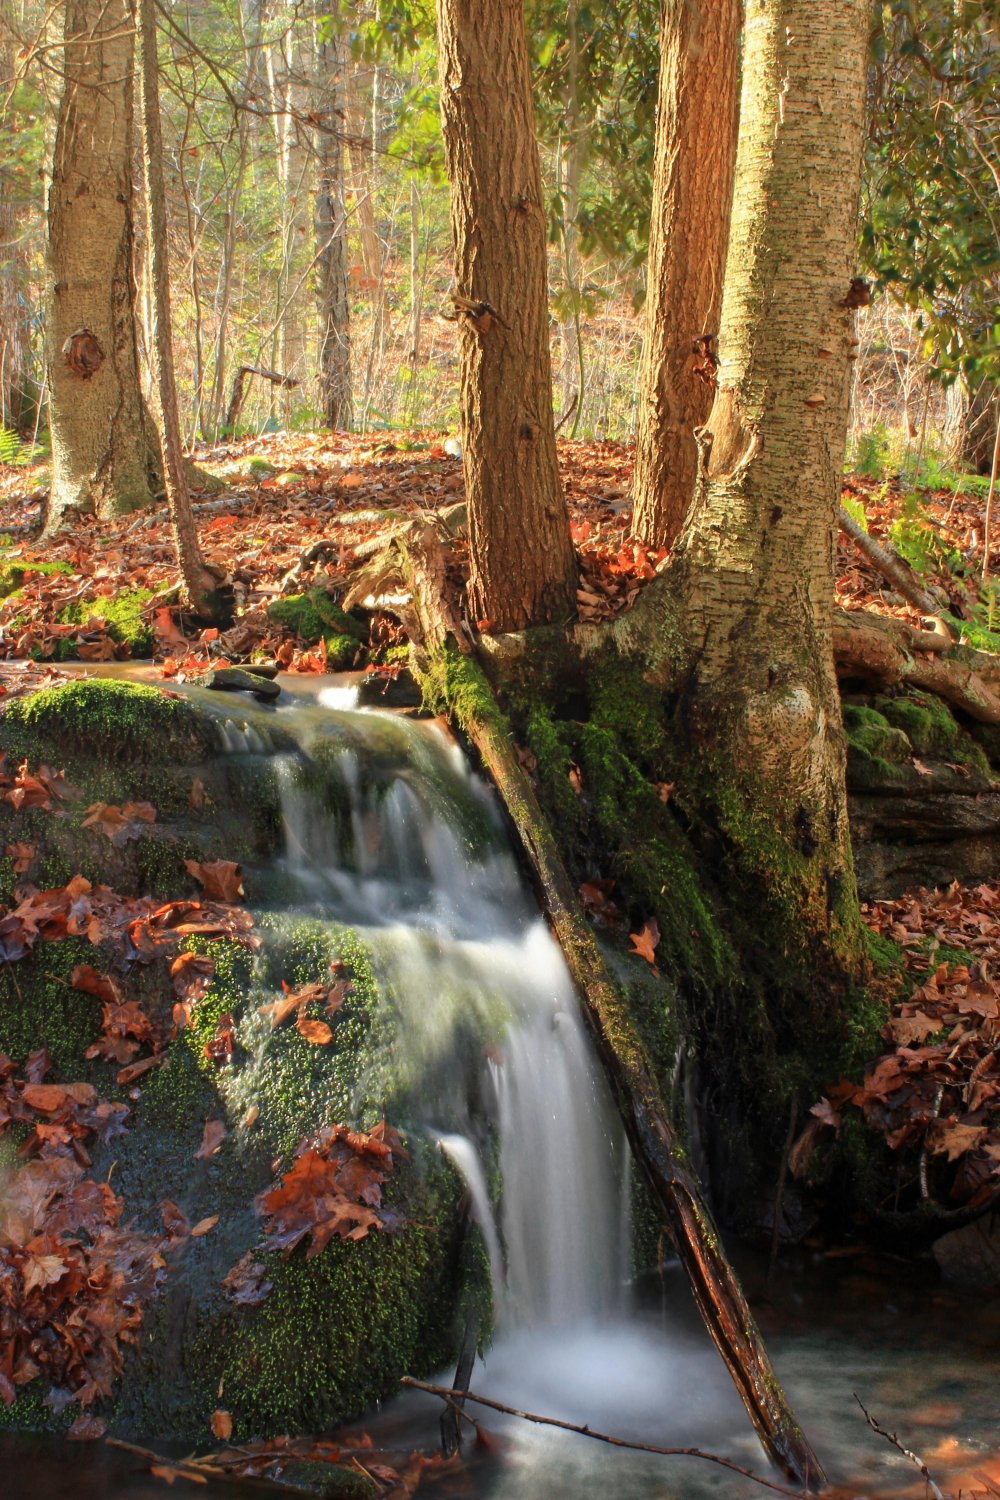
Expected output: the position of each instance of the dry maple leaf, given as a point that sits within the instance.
(22, 854)
(644, 943)
(317, 1032)
(119, 824)
(220, 878)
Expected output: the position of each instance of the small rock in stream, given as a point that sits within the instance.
(238, 680)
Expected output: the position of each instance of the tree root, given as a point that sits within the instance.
(414, 563)
(888, 653)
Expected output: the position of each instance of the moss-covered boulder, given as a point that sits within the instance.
(314, 617)
(336, 1329)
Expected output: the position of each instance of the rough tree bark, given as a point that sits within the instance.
(208, 600)
(523, 569)
(103, 448)
(17, 400)
(692, 194)
(330, 228)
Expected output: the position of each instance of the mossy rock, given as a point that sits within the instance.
(123, 616)
(107, 720)
(314, 617)
(932, 729)
(13, 569)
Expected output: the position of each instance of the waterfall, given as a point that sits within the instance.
(411, 850)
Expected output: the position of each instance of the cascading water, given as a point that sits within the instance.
(388, 831)
(443, 904)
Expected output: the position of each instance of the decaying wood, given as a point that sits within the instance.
(452, 1397)
(891, 566)
(886, 654)
(416, 564)
(239, 388)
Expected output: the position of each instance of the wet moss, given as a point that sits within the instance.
(314, 617)
(338, 1331)
(39, 1007)
(872, 737)
(106, 720)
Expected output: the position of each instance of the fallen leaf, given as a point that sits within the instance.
(212, 1138)
(203, 1226)
(644, 943)
(317, 1032)
(222, 1425)
(220, 878)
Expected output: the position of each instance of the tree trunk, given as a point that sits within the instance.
(330, 222)
(523, 569)
(980, 426)
(208, 601)
(17, 398)
(692, 194)
(103, 456)
(739, 629)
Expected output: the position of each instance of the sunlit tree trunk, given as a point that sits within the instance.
(739, 628)
(692, 194)
(16, 398)
(523, 569)
(330, 228)
(102, 445)
(207, 600)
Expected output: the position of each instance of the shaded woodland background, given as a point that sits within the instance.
(292, 130)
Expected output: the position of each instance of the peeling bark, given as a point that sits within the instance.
(103, 448)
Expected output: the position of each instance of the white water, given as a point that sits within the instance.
(420, 864)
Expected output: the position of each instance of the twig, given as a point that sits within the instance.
(201, 1469)
(449, 1395)
(571, 408)
(891, 1437)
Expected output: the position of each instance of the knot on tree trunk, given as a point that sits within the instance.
(83, 354)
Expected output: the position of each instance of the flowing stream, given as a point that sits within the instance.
(389, 831)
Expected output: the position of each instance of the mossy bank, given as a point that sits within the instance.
(336, 1331)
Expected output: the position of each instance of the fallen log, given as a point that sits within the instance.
(882, 653)
(892, 567)
(415, 561)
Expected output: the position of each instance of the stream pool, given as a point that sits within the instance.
(923, 1357)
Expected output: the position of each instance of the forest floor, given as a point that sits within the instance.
(95, 591)
(99, 592)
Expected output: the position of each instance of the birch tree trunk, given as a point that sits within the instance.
(103, 449)
(523, 569)
(692, 195)
(738, 631)
(207, 600)
(330, 227)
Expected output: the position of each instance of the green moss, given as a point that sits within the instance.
(106, 719)
(123, 617)
(338, 1331)
(871, 735)
(13, 570)
(931, 728)
(313, 617)
(886, 956)
(39, 1007)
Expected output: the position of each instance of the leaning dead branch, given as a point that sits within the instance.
(415, 564)
(451, 1397)
(891, 566)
